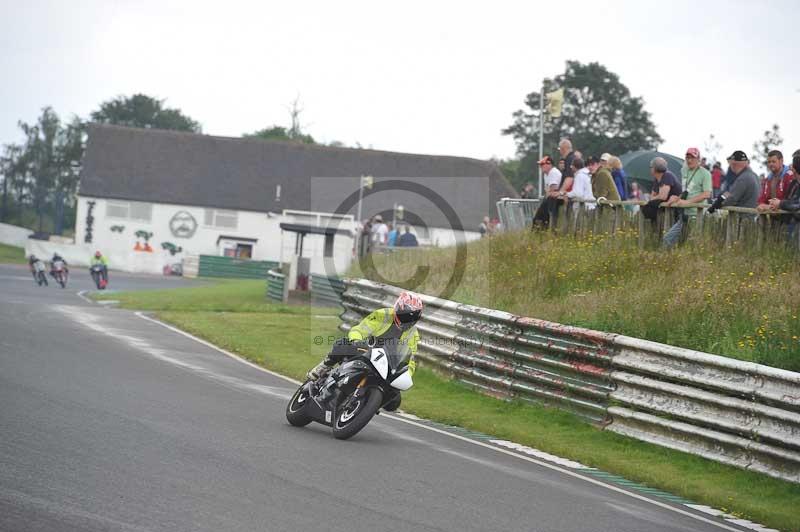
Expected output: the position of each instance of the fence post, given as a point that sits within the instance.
(699, 219)
(640, 217)
(729, 228)
(598, 211)
(619, 211)
(760, 229)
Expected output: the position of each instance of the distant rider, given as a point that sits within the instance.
(100, 260)
(393, 327)
(54, 263)
(32, 260)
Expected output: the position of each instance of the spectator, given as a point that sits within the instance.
(562, 164)
(485, 228)
(618, 174)
(407, 239)
(716, 178)
(602, 183)
(567, 177)
(552, 181)
(527, 191)
(791, 199)
(745, 189)
(774, 185)
(636, 194)
(365, 240)
(727, 181)
(392, 237)
(696, 184)
(565, 149)
(665, 186)
(704, 164)
(380, 231)
(582, 184)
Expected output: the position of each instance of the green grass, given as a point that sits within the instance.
(729, 302)
(219, 296)
(11, 255)
(282, 339)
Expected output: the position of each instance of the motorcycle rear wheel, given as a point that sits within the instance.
(352, 416)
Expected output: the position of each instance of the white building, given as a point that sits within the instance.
(148, 198)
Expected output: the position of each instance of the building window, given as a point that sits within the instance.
(221, 219)
(129, 210)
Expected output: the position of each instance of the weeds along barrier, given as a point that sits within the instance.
(737, 413)
(729, 225)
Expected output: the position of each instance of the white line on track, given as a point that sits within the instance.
(82, 296)
(494, 448)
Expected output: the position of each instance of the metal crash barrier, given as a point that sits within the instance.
(734, 412)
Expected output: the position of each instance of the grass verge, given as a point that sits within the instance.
(11, 255)
(730, 302)
(282, 340)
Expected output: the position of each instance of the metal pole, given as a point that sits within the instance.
(541, 138)
(359, 229)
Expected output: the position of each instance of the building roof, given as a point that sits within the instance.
(268, 176)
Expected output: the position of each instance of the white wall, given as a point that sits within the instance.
(12, 235)
(273, 244)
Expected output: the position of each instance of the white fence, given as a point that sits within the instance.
(11, 235)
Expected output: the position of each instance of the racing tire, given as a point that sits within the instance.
(295, 410)
(352, 417)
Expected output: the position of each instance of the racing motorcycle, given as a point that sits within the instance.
(352, 392)
(97, 276)
(59, 273)
(39, 273)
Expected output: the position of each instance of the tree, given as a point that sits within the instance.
(711, 149)
(143, 111)
(13, 167)
(293, 134)
(48, 166)
(771, 140)
(598, 115)
(280, 133)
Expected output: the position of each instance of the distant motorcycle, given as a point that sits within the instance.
(59, 272)
(39, 273)
(352, 393)
(97, 276)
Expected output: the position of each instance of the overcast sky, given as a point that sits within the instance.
(423, 77)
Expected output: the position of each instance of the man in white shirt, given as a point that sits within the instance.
(551, 177)
(380, 231)
(582, 185)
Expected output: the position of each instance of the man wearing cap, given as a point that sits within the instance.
(551, 177)
(774, 185)
(602, 182)
(697, 188)
(744, 190)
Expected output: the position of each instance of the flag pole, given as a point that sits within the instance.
(541, 138)
(359, 229)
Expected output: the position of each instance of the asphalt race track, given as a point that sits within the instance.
(111, 422)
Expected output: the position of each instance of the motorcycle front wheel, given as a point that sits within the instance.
(353, 413)
(295, 410)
